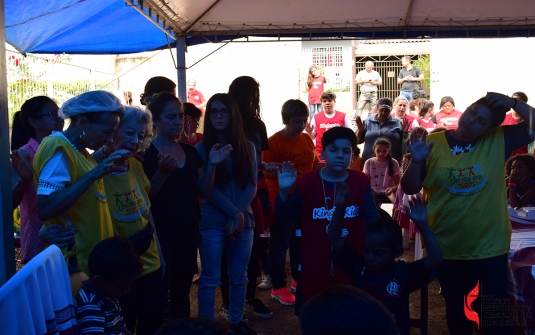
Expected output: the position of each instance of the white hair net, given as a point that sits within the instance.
(91, 102)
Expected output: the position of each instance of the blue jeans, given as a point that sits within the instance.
(238, 252)
(315, 108)
(406, 94)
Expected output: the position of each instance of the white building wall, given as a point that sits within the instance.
(466, 69)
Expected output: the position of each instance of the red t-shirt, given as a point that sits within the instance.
(510, 120)
(195, 97)
(315, 91)
(409, 117)
(324, 123)
(317, 268)
(428, 125)
(451, 120)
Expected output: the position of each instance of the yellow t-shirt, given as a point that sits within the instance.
(467, 198)
(129, 206)
(89, 214)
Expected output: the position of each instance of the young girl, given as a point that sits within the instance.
(37, 118)
(316, 86)
(521, 185)
(426, 112)
(226, 215)
(383, 170)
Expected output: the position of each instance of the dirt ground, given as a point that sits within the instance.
(284, 321)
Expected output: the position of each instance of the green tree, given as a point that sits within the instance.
(424, 64)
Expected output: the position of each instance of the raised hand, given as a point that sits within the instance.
(499, 100)
(106, 166)
(57, 234)
(287, 175)
(309, 128)
(217, 155)
(341, 197)
(417, 210)
(417, 147)
(167, 164)
(404, 124)
(272, 167)
(22, 163)
(360, 124)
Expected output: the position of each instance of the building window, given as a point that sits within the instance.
(327, 57)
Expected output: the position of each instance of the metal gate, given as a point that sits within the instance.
(388, 67)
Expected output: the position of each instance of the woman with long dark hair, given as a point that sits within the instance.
(227, 219)
(38, 117)
(177, 175)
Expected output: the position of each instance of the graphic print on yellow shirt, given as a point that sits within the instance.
(129, 206)
(467, 198)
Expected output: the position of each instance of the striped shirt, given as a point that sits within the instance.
(96, 314)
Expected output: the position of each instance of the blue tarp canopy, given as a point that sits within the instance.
(128, 26)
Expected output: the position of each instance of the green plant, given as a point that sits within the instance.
(424, 64)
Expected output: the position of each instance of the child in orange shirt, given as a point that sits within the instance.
(289, 144)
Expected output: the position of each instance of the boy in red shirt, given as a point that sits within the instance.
(327, 119)
(312, 204)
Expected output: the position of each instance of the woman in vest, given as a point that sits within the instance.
(70, 189)
(462, 174)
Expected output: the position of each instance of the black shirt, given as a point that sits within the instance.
(176, 205)
(391, 286)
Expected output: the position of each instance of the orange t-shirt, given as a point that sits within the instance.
(356, 164)
(300, 151)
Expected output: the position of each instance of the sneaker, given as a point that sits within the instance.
(242, 329)
(266, 282)
(293, 288)
(223, 311)
(258, 308)
(283, 295)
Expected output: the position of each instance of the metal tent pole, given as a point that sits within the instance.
(181, 68)
(7, 244)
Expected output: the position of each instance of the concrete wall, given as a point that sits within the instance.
(466, 69)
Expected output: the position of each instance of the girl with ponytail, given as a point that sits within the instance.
(383, 170)
(37, 118)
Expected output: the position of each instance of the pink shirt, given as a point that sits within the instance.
(451, 120)
(378, 172)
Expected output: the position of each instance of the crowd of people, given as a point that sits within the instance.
(133, 195)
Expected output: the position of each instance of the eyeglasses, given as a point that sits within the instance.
(215, 112)
(53, 115)
(447, 106)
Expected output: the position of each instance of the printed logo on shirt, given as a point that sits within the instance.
(197, 97)
(324, 213)
(392, 288)
(129, 204)
(328, 125)
(468, 301)
(100, 194)
(465, 181)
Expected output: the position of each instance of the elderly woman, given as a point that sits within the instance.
(129, 207)
(70, 189)
(382, 124)
(467, 198)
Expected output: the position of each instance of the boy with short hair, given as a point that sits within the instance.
(113, 265)
(312, 205)
(327, 119)
(378, 272)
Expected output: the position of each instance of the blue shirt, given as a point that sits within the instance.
(391, 130)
